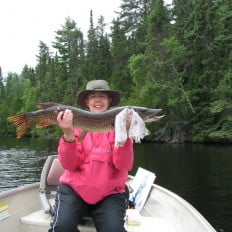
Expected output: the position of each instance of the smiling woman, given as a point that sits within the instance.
(98, 101)
(94, 181)
(98, 96)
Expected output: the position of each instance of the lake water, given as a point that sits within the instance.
(201, 174)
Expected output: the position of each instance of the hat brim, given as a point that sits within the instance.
(114, 95)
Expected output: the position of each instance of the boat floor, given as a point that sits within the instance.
(39, 222)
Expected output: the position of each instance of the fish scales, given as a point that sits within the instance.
(85, 120)
(100, 124)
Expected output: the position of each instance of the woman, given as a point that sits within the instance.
(95, 170)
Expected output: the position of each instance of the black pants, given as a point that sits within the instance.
(108, 214)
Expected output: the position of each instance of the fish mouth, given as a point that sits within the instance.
(152, 115)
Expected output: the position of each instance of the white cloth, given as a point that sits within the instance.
(137, 130)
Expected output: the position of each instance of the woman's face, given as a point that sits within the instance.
(98, 101)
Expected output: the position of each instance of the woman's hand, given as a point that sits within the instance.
(65, 122)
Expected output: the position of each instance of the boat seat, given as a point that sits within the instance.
(39, 221)
(49, 181)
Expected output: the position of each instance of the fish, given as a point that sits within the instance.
(85, 120)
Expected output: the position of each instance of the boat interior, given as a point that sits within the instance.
(30, 207)
(39, 220)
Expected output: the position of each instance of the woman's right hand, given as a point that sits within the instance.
(65, 122)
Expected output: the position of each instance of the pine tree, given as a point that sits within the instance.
(120, 51)
(104, 61)
(149, 70)
(133, 19)
(43, 59)
(1, 86)
(91, 64)
(70, 45)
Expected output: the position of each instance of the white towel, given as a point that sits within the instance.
(137, 130)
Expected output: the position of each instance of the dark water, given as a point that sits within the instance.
(21, 160)
(201, 174)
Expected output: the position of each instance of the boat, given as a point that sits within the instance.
(28, 208)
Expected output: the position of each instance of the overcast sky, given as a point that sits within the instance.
(23, 23)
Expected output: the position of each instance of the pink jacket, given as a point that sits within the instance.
(94, 168)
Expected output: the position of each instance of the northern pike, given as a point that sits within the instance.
(85, 120)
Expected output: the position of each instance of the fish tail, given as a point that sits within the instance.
(21, 122)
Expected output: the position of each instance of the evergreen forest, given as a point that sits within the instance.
(176, 57)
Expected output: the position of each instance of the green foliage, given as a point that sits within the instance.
(121, 52)
(28, 96)
(175, 58)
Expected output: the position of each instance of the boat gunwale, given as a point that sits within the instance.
(18, 189)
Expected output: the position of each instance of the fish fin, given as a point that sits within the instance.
(21, 123)
(81, 136)
(45, 105)
(44, 123)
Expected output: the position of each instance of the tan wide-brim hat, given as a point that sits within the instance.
(98, 85)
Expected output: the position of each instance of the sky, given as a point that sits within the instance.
(24, 23)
